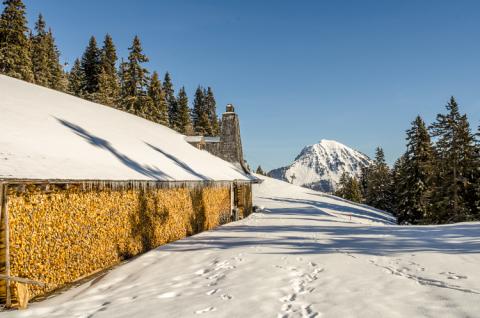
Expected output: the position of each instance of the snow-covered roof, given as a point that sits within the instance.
(194, 138)
(212, 139)
(46, 134)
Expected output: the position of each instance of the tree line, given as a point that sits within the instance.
(436, 180)
(98, 75)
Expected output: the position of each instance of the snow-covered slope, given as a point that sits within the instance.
(320, 166)
(307, 254)
(46, 134)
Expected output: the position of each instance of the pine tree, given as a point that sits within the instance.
(171, 101)
(342, 184)
(91, 68)
(122, 78)
(349, 188)
(108, 90)
(211, 108)
(207, 124)
(201, 122)
(76, 79)
(135, 80)
(159, 108)
(15, 51)
(378, 192)
(355, 193)
(108, 82)
(399, 188)
(455, 169)
(417, 175)
(40, 56)
(57, 79)
(108, 56)
(477, 177)
(364, 176)
(260, 171)
(46, 65)
(470, 169)
(184, 120)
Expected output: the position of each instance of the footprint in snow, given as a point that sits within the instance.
(457, 277)
(307, 309)
(310, 290)
(211, 292)
(452, 275)
(202, 271)
(288, 298)
(226, 297)
(168, 295)
(217, 277)
(286, 307)
(205, 310)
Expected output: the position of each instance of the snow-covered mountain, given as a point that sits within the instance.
(321, 165)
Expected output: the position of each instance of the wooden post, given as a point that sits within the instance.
(232, 194)
(4, 210)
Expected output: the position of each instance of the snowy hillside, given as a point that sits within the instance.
(320, 166)
(307, 254)
(51, 135)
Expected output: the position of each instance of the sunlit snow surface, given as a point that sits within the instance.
(305, 255)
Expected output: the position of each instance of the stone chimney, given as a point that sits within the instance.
(230, 140)
(230, 108)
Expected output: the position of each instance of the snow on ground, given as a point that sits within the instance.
(51, 135)
(306, 255)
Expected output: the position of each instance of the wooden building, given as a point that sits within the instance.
(85, 186)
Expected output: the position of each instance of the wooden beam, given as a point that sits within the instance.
(21, 280)
(8, 299)
(96, 181)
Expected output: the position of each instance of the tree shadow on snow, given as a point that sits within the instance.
(151, 172)
(362, 212)
(178, 162)
(360, 205)
(293, 236)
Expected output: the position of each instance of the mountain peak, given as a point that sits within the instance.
(329, 142)
(321, 165)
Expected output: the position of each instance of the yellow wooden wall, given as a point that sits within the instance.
(60, 234)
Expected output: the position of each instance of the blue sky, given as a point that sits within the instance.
(298, 71)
